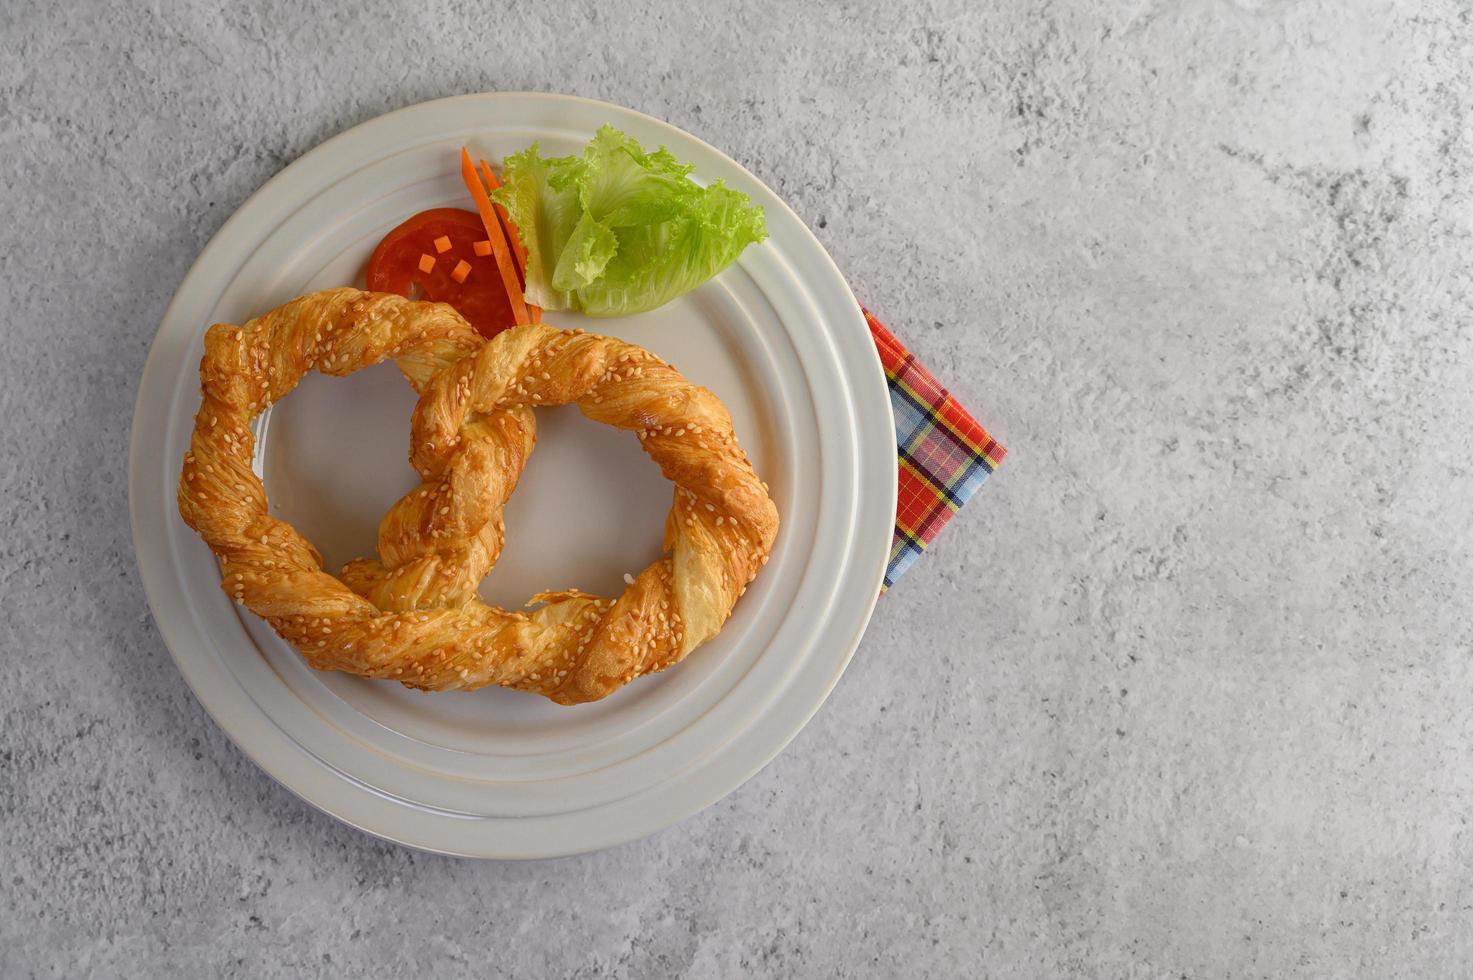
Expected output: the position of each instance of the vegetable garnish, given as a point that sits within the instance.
(514, 239)
(499, 249)
(513, 236)
(395, 267)
(619, 230)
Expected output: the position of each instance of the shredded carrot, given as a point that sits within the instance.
(426, 262)
(482, 248)
(505, 263)
(513, 238)
(461, 270)
(442, 244)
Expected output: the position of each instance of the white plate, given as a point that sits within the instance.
(497, 773)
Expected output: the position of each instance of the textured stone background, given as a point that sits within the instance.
(1187, 692)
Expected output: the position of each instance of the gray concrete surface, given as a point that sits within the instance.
(1187, 692)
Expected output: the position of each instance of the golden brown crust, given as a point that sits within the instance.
(412, 615)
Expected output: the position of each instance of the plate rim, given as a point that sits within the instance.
(284, 761)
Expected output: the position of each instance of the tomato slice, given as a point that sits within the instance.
(395, 267)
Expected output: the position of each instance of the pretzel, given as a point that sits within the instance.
(412, 614)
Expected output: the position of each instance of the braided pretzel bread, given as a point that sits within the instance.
(412, 615)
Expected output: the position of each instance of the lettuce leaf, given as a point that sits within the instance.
(619, 230)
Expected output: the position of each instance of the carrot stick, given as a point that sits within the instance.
(513, 238)
(505, 263)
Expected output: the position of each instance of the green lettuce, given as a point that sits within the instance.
(620, 230)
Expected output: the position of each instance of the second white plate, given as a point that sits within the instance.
(495, 773)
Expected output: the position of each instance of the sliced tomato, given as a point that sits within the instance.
(395, 267)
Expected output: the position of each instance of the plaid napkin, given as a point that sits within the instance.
(945, 455)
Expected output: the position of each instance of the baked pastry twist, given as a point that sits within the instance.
(412, 615)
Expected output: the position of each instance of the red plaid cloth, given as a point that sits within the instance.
(945, 455)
